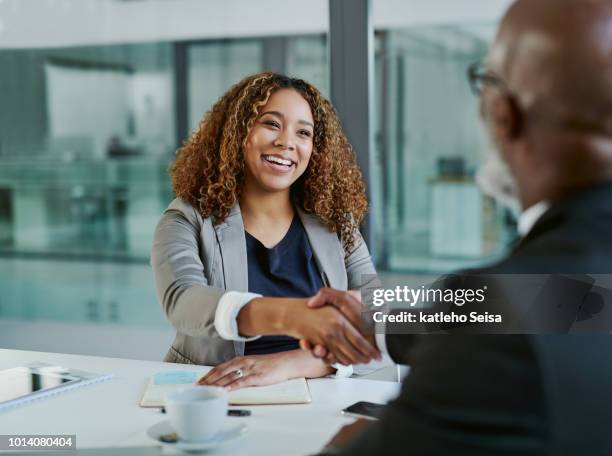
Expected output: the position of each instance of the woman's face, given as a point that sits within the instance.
(280, 142)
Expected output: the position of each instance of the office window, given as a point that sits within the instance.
(87, 133)
(430, 215)
(214, 67)
(86, 136)
(309, 61)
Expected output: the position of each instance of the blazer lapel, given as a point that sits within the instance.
(327, 251)
(232, 243)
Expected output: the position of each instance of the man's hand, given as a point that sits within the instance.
(345, 434)
(328, 327)
(350, 306)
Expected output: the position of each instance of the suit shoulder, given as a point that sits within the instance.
(184, 208)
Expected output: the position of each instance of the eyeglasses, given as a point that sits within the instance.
(479, 76)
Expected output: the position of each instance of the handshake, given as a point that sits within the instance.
(329, 324)
(331, 327)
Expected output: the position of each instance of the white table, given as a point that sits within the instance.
(107, 414)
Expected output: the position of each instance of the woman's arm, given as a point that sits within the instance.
(259, 370)
(183, 290)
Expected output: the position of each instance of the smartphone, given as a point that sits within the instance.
(362, 409)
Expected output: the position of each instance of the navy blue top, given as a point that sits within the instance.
(286, 270)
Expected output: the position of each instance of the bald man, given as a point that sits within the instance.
(546, 100)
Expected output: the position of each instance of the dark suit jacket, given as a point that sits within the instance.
(511, 394)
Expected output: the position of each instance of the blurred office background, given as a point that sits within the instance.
(96, 96)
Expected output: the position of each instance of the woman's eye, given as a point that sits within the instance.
(272, 123)
(305, 133)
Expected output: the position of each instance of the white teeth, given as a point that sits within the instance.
(280, 161)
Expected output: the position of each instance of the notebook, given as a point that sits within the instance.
(293, 391)
(35, 381)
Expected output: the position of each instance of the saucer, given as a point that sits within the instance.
(229, 433)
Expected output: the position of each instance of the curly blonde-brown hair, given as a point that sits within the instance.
(209, 169)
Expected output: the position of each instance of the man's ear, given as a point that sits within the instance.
(507, 118)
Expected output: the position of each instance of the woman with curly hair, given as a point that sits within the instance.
(268, 202)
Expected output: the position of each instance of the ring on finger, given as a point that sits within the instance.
(239, 373)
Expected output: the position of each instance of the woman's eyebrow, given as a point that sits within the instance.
(274, 113)
(280, 114)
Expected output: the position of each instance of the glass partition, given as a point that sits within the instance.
(309, 61)
(214, 66)
(431, 216)
(83, 161)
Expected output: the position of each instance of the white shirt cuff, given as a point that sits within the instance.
(228, 308)
(342, 371)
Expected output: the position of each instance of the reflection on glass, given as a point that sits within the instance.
(431, 214)
(309, 61)
(214, 67)
(86, 171)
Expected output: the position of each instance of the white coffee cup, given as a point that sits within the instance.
(198, 412)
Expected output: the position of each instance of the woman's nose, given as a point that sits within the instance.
(285, 140)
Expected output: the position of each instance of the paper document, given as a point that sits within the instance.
(293, 391)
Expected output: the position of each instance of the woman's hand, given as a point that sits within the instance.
(260, 370)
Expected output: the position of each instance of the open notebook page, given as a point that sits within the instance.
(293, 391)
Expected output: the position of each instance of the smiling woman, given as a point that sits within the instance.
(269, 200)
(279, 145)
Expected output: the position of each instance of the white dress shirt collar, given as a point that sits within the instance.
(530, 216)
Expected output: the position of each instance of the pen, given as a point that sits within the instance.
(230, 412)
(238, 412)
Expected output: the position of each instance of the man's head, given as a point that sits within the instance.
(547, 95)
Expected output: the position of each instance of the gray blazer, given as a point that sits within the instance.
(195, 262)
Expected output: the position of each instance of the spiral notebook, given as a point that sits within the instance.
(293, 391)
(35, 381)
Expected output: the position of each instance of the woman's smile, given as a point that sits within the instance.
(278, 164)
